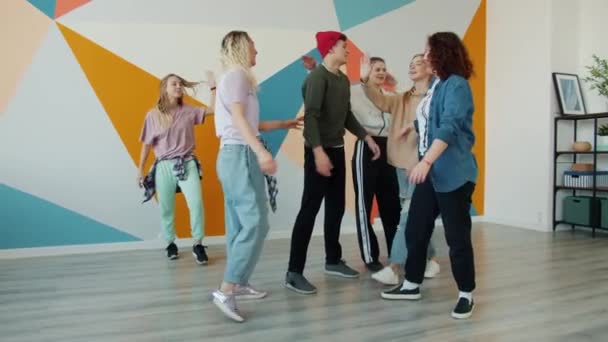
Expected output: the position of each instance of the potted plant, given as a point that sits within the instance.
(602, 138)
(598, 76)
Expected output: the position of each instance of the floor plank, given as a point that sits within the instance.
(531, 286)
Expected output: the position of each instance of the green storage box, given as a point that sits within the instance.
(604, 212)
(578, 210)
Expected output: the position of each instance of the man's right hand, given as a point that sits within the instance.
(322, 162)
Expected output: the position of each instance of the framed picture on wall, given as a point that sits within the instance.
(569, 94)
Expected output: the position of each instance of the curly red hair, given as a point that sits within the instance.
(448, 55)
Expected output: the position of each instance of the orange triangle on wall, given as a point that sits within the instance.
(353, 61)
(127, 93)
(475, 41)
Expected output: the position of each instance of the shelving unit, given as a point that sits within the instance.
(595, 190)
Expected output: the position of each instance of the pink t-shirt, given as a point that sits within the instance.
(177, 140)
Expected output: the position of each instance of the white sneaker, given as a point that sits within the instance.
(432, 269)
(227, 304)
(386, 276)
(248, 292)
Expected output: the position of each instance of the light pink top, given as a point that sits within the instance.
(177, 140)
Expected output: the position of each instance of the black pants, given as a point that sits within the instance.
(454, 208)
(374, 178)
(317, 188)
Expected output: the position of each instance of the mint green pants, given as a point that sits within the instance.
(166, 183)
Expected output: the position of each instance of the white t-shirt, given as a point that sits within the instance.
(422, 115)
(234, 87)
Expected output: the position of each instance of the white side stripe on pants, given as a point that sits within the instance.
(364, 224)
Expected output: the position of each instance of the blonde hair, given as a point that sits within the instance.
(235, 52)
(408, 94)
(162, 116)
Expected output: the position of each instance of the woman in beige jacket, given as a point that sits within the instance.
(402, 153)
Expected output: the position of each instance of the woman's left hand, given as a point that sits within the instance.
(420, 172)
(309, 62)
(297, 123)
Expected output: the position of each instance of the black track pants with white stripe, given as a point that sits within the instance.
(374, 178)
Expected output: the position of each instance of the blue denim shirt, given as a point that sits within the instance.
(451, 120)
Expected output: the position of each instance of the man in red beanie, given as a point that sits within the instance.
(326, 93)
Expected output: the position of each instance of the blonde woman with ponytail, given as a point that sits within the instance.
(242, 164)
(169, 130)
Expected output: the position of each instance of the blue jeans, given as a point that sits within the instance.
(246, 210)
(399, 248)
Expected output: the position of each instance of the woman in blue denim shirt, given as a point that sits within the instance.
(445, 175)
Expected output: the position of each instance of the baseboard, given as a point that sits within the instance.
(158, 244)
(137, 245)
(539, 227)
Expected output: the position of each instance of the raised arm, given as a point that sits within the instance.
(212, 88)
(386, 103)
(210, 81)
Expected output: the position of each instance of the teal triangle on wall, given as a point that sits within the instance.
(45, 6)
(29, 221)
(354, 12)
(281, 97)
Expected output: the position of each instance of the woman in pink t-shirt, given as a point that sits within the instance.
(169, 130)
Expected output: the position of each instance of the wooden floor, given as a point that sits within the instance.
(531, 287)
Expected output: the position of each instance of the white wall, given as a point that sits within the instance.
(523, 49)
(593, 28)
(518, 112)
(565, 39)
(123, 41)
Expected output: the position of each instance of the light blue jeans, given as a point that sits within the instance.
(246, 210)
(399, 248)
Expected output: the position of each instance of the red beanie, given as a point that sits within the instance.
(327, 39)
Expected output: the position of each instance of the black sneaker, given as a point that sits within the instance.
(374, 266)
(199, 254)
(396, 293)
(463, 309)
(172, 251)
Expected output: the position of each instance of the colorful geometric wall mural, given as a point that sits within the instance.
(82, 74)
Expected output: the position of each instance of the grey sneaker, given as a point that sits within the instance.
(341, 270)
(296, 282)
(248, 292)
(227, 304)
